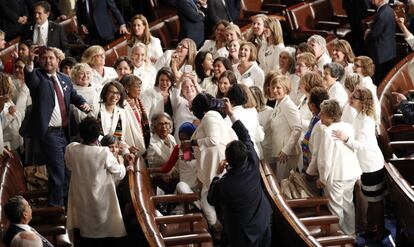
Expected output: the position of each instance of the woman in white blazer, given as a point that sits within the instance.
(370, 159)
(209, 143)
(217, 45)
(93, 206)
(143, 68)
(272, 45)
(111, 113)
(101, 74)
(138, 134)
(338, 166)
(318, 44)
(140, 33)
(332, 73)
(247, 71)
(286, 128)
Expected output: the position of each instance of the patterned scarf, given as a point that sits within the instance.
(305, 143)
(146, 130)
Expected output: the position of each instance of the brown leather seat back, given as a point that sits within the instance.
(302, 17)
(173, 25)
(159, 29)
(122, 49)
(322, 10)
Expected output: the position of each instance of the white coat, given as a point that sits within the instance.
(133, 135)
(268, 56)
(98, 81)
(254, 76)
(92, 201)
(158, 152)
(212, 136)
(147, 73)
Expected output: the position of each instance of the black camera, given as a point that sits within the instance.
(217, 103)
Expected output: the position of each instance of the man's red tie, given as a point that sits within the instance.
(61, 101)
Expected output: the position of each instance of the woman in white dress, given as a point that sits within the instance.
(217, 45)
(272, 45)
(158, 100)
(93, 206)
(234, 48)
(370, 159)
(318, 43)
(247, 71)
(203, 66)
(11, 119)
(111, 113)
(256, 33)
(351, 82)
(286, 129)
(365, 67)
(332, 74)
(305, 62)
(101, 74)
(220, 65)
(140, 33)
(143, 68)
(81, 78)
(138, 134)
(338, 166)
(342, 53)
(209, 143)
(176, 59)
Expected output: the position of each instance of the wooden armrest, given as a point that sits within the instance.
(50, 230)
(49, 211)
(327, 25)
(406, 145)
(320, 220)
(187, 239)
(307, 202)
(154, 170)
(33, 194)
(341, 240)
(183, 218)
(175, 198)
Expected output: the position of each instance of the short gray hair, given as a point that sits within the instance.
(336, 70)
(156, 119)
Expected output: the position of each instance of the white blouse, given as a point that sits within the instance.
(337, 92)
(154, 49)
(367, 82)
(268, 56)
(323, 59)
(254, 76)
(210, 45)
(147, 73)
(92, 96)
(365, 143)
(158, 151)
(98, 81)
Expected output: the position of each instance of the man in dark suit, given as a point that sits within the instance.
(19, 213)
(95, 21)
(52, 92)
(356, 11)
(246, 210)
(44, 32)
(14, 14)
(381, 40)
(191, 21)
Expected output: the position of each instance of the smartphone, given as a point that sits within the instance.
(188, 68)
(217, 103)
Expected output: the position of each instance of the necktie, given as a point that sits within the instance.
(40, 40)
(61, 101)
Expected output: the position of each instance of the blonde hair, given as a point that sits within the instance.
(2, 34)
(234, 28)
(276, 31)
(78, 68)
(352, 81)
(250, 36)
(192, 51)
(258, 97)
(250, 100)
(367, 65)
(367, 101)
(140, 45)
(58, 53)
(283, 81)
(267, 82)
(146, 36)
(253, 50)
(309, 59)
(89, 54)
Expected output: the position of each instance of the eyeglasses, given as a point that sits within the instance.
(114, 92)
(180, 45)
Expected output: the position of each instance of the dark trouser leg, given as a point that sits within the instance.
(54, 144)
(381, 70)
